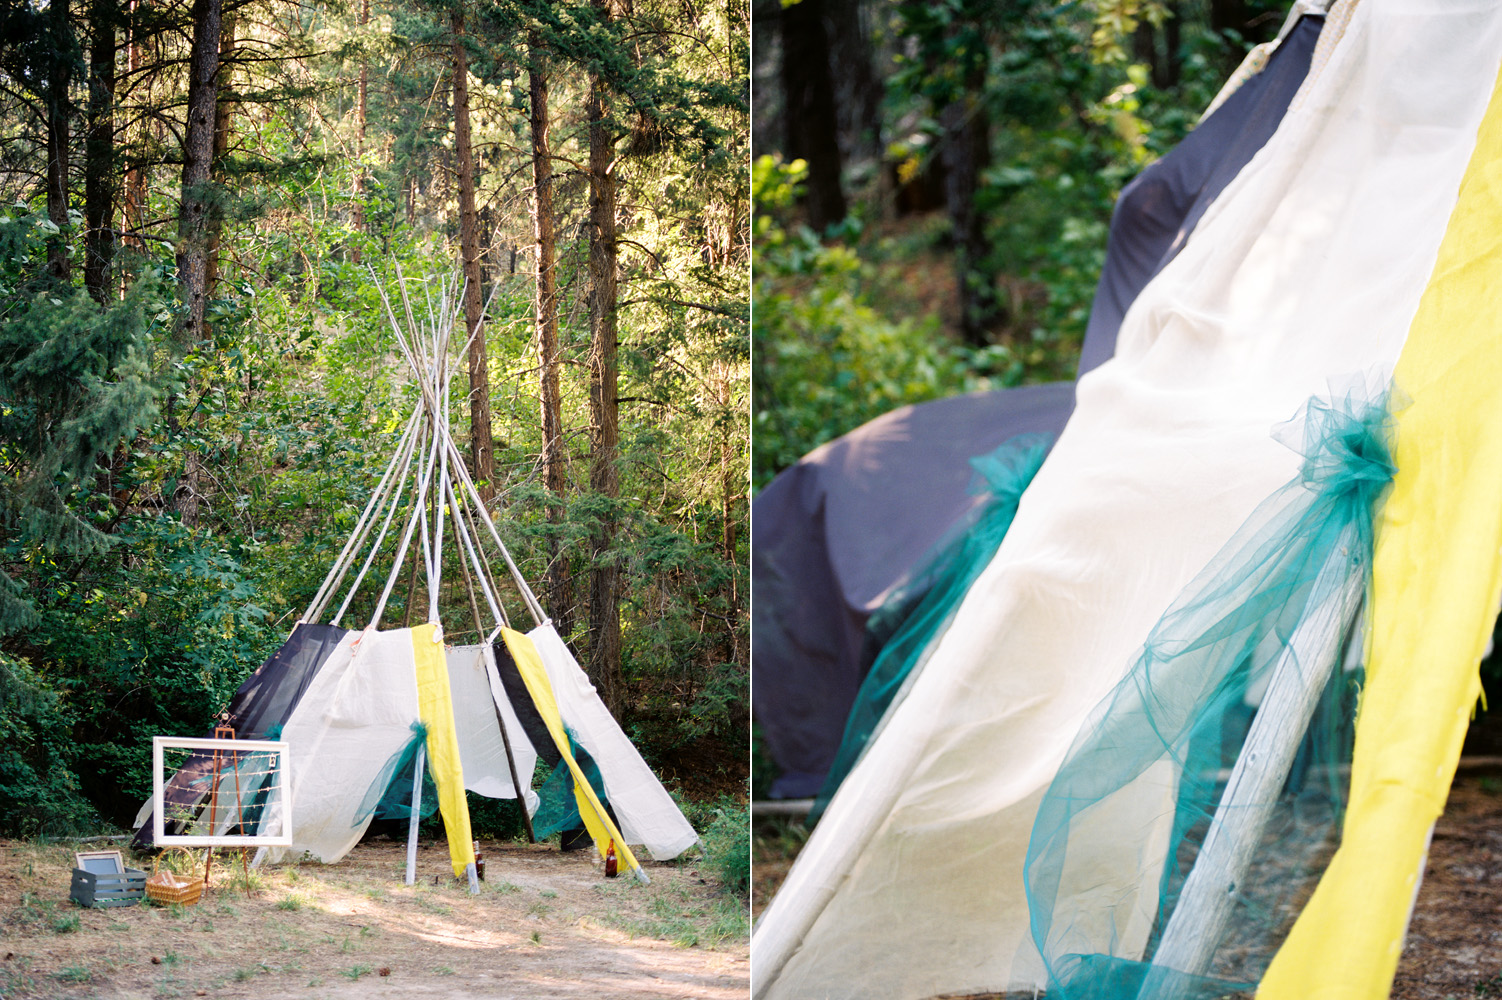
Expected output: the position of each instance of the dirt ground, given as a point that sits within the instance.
(1454, 945)
(547, 925)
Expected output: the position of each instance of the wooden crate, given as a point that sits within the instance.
(90, 889)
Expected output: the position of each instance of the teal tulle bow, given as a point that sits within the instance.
(1185, 707)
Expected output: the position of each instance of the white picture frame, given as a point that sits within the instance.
(90, 861)
(278, 812)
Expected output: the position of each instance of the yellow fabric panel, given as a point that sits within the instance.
(535, 676)
(1436, 579)
(435, 706)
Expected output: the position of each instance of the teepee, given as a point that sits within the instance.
(366, 711)
(1133, 764)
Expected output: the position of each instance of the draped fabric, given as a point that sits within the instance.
(478, 717)
(390, 794)
(1436, 585)
(647, 813)
(356, 715)
(834, 534)
(1156, 763)
(1311, 264)
(259, 706)
(914, 614)
(559, 807)
(435, 706)
(601, 829)
(1161, 206)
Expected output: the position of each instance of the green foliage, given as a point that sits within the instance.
(494, 819)
(39, 793)
(151, 639)
(75, 381)
(824, 360)
(841, 336)
(727, 845)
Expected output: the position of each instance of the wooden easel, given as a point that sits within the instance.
(224, 733)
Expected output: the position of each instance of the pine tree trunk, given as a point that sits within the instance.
(133, 210)
(99, 155)
(861, 90)
(1229, 16)
(966, 153)
(193, 229)
(224, 112)
(604, 474)
(482, 447)
(59, 77)
(555, 478)
(357, 214)
(809, 116)
(1173, 62)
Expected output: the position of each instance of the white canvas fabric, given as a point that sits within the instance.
(647, 813)
(356, 714)
(482, 754)
(1309, 266)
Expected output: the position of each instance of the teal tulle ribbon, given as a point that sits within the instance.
(390, 794)
(1187, 702)
(557, 808)
(918, 610)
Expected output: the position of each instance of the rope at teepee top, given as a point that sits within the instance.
(442, 462)
(452, 451)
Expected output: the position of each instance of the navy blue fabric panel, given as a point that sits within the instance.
(829, 537)
(266, 699)
(257, 710)
(1160, 207)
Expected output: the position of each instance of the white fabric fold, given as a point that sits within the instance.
(646, 812)
(357, 713)
(482, 752)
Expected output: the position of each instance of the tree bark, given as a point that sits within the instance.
(134, 207)
(860, 90)
(481, 443)
(195, 211)
(193, 229)
(1229, 16)
(604, 473)
(224, 112)
(357, 213)
(809, 116)
(59, 77)
(966, 153)
(560, 581)
(99, 155)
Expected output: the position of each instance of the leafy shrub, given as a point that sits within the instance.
(727, 845)
(39, 794)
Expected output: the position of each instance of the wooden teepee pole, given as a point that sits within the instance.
(1298, 679)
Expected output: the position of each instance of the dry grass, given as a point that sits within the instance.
(545, 925)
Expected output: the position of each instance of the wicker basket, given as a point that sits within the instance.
(164, 887)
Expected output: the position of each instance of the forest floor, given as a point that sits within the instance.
(1454, 945)
(546, 926)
